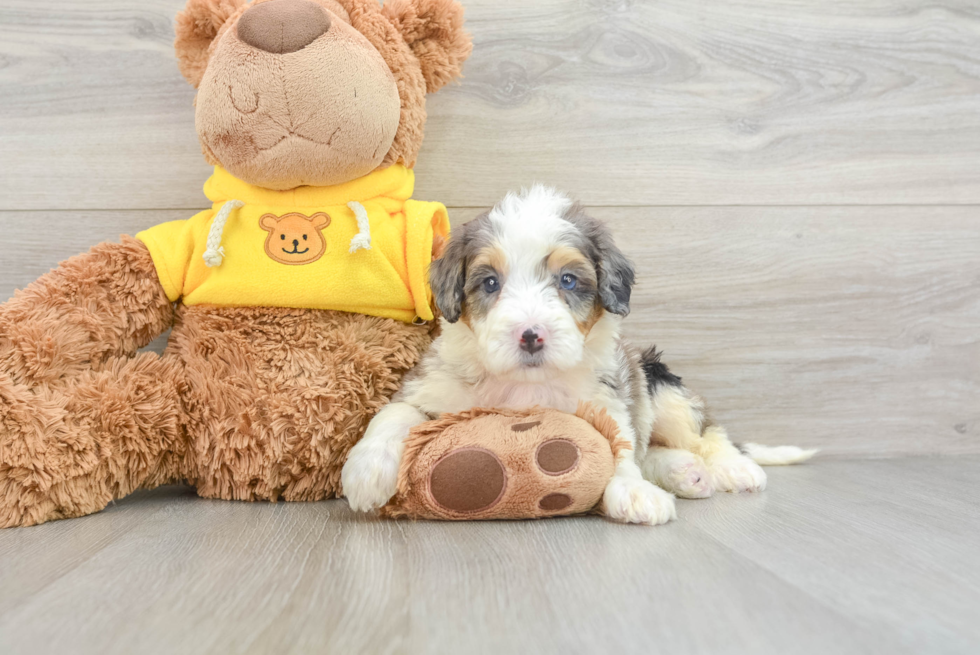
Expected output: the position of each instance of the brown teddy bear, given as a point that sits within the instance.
(296, 302)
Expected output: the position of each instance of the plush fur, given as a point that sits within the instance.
(533, 294)
(196, 27)
(434, 32)
(246, 403)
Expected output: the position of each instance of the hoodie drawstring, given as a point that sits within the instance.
(361, 240)
(215, 254)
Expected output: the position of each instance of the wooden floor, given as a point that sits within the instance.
(799, 185)
(836, 557)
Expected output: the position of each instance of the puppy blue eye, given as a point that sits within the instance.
(491, 285)
(568, 281)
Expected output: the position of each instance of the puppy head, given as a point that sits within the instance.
(531, 279)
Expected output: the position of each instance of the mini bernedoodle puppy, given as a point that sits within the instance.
(532, 295)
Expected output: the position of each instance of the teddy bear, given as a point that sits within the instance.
(296, 301)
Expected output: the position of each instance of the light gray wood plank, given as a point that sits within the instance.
(627, 103)
(175, 576)
(587, 586)
(852, 329)
(890, 544)
(836, 556)
(36, 242)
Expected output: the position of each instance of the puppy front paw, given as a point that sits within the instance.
(737, 474)
(370, 476)
(634, 500)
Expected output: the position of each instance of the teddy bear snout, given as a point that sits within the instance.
(283, 26)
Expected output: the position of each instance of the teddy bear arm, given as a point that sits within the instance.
(93, 307)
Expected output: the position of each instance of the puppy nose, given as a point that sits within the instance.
(282, 26)
(531, 342)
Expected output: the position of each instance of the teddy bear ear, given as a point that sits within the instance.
(196, 27)
(269, 222)
(434, 31)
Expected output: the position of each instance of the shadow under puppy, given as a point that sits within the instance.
(532, 295)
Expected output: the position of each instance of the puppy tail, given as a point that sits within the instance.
(776, 455)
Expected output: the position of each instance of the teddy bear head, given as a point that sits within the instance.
(316, 92)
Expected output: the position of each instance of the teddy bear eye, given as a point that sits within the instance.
(282, 236)
(304, 237)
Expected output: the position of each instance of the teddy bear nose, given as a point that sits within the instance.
(283, 26)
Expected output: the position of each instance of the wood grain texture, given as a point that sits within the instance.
(626, 102)
(836, 557)
(852, 329)
(35, 242)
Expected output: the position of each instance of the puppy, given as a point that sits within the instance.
(532, 296)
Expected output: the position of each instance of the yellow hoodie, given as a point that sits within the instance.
(363, 246)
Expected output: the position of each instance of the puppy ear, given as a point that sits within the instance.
(616, 277)
(438, 245)
(196, 28)
(447, 276)
(434, 31)
(614, 272)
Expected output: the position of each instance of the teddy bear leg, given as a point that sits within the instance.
(102, 304)
(504, 464)
(80, 422)
(68, 451)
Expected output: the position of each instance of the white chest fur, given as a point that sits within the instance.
(521, 395)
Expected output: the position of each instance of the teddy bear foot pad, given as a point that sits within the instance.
(500, 464)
